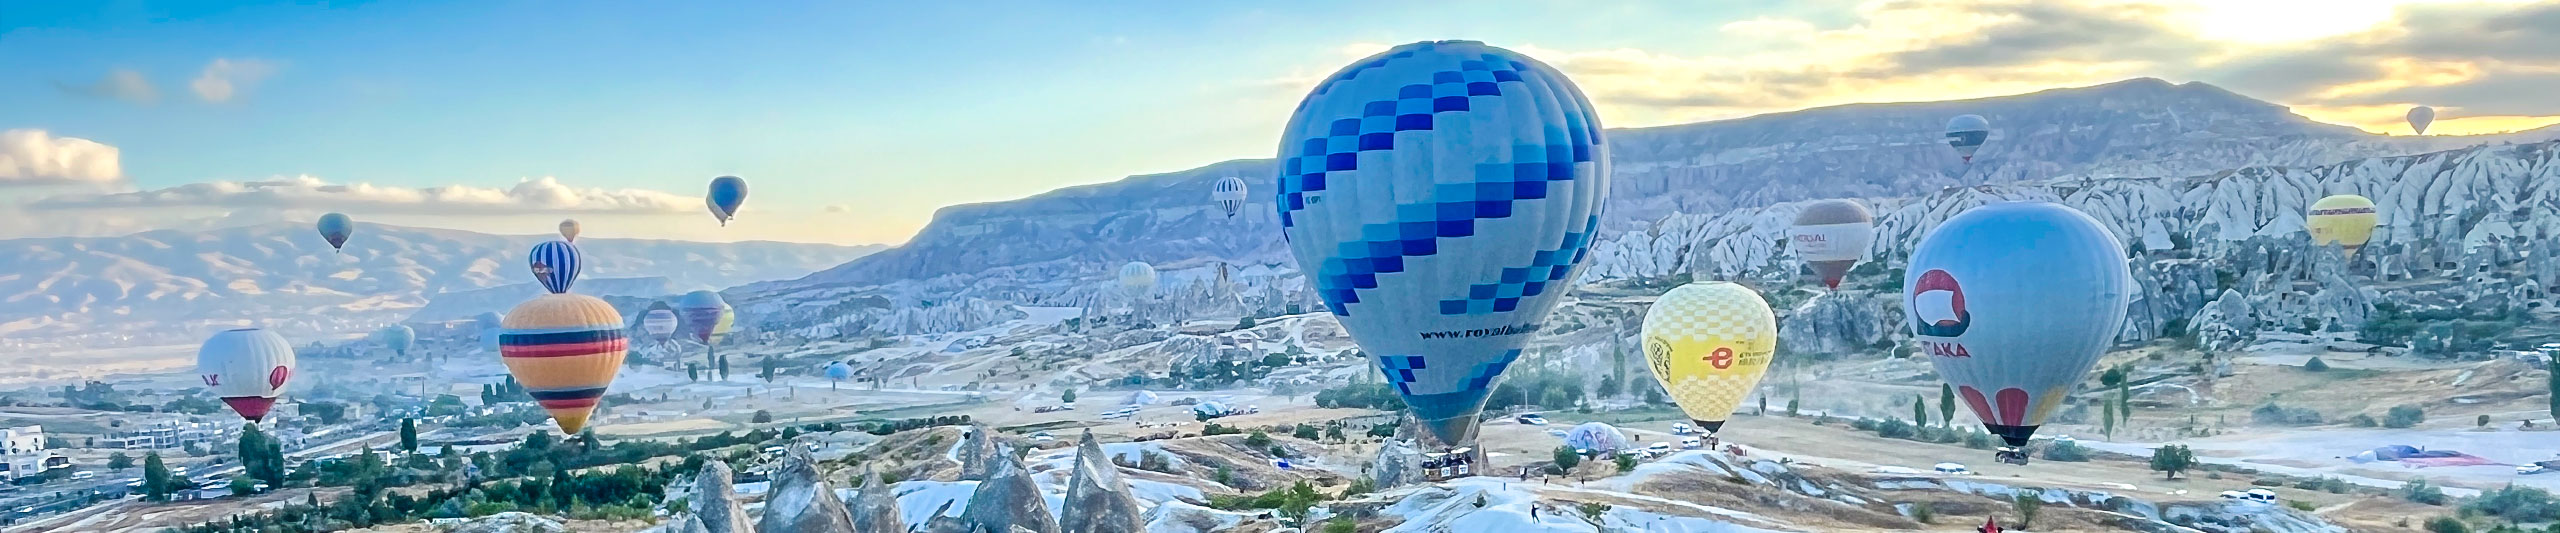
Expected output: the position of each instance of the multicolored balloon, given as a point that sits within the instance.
(556, 265)
(1967, 133)
(2420, 117)
(399, 338)
(569, 230)
(335, 228)
(1709, 344)
(2013, 302)
(1228, 192)
(248, 368)
(2345, 219)
(1831, 236)
(727, 193)
(659, 321)
(1441, 197)
(565, 349)
(706, 318)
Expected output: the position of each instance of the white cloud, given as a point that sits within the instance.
(544, 194)
(225, 78)
(30, 156)
(839, 208)
(119, 84)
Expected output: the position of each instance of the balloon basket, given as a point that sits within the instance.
(2012, 455)
(1452, 464)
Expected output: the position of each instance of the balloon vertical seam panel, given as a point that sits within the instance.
(1339, 142)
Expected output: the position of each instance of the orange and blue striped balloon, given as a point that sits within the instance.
(565, 349)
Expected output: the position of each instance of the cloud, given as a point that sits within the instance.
(839, 208)
(530, 196)
(225, 78)
(119, 84)
(32, 157)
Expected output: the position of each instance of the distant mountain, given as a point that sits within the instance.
(2135, 128)
(172, 284)
(458, 305)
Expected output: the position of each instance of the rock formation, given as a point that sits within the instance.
(875, 506)
(800, 502)
(1843, 322)
(510, 522)
(1396, 464)
(1098, 501)
(1008, 498)
(978, 453)
(715, 500)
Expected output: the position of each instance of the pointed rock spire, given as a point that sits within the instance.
(1098, 501)
(875, 506)
(1008, 498)
(716, 502)
(800, 502)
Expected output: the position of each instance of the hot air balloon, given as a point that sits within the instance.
(1967, 133)
(1229, 194)
(659, 321)
(706, 318)
(565, 349)
(569, 230)
(837, 372)
(1831, 236)
(2420, 117)
(555, 264)
(1597, 438)
(491, 324)
(1138, 279)
(727, 192)
(335, 228)
(247, 368)
(399, 338)
(1441, 196)
(2345, 219)
(2013, 302)
(1709, 344)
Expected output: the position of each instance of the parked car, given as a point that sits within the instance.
(1530, 419)
(1682, 428)
(1692, 443)
(2262, 495)
(1952, 469)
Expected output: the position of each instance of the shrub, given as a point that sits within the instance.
(1566, 458)
(2066, 451)
(1894, 429)
(1307, 432)
(1626, 463)
(2516, 504)
(2300, 505)
(2315, 365)
(2363, 421)
(2422, 492)
(2281, 415)
(1258, 439)
(2403, 416)
(2446, 524)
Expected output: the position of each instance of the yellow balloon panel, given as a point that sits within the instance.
(2345, 219)
(1709, 344)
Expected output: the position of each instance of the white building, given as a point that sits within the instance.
(22, 453)
(169, 434)
(21, 440)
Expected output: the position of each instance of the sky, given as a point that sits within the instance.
(854, 121)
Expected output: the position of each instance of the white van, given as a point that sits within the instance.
(1951, 469)
(1692, 443)
(2262, 495)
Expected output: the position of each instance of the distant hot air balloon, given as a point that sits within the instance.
(555, 264)
(1441, 197)
(1831, 236)
(837, 372)
(727, 192)
(1597, 438)
(569, 230)
(565, 349)
(1229, 194)
(706, 318)
(1709, 344)
(2420, 117)
(247, 368)
(2013, 302)
(1138, 279)
(335, 228)
(399, 338)
(659, 321)
(2345, 219)
(1967, 133)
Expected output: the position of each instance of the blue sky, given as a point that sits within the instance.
(884, 110)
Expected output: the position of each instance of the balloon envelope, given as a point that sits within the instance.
(1831, 236)
(660, 321)
(2420, 117)
(247, 368)
(569, 230)
(1441, 197)
(727, 193)
(335, 228)
(2346, 219)
(565, 349)
(2013, 302)
(839, 371)
(1709, 344)
(1967, 133)
(1229, 194)
(1138, 279)
(556, 265)
(1597, 438)
(705, 316)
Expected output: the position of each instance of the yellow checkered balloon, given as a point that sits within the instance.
(1709, 343)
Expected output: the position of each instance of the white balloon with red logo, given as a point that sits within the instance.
(2013, 303)
(248, 368)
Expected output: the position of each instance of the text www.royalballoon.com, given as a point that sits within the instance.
(1514, 329)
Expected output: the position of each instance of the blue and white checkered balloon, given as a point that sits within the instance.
(555, 264)
(1441, 197)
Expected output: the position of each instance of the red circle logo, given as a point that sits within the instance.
(275, 378)
(1722, 358)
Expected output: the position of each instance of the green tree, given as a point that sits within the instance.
(1306, 432)
(1068, 397)
(2553, 381)
(765, 368)
(2447, 524)
(692, 372)
(409, 435)
(2483, 421)
(329, 412)
(1946, 405)
(117, 462)
(156, 482)
(1566, 458)
(1920, 410)
(2028, 506)
(2403, 416)
(2107, 419)
(1626, 463)
(243, 486)
(2124, 403)
(2172, 459)
(762, 417)
(724, 368)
